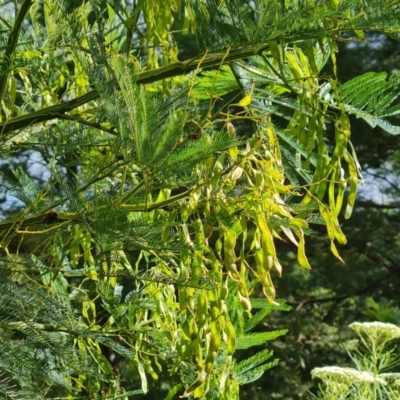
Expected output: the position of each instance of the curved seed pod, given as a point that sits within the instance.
(230, 266)
(143, 377)
(149, 368)
(335, 252)
(245, 302)
(197, 383)
(301, 253)
(339, 235)
(268, 287)
(189, 349)
(232, 271)
(269, 293)
(328, 220)
(247, 99)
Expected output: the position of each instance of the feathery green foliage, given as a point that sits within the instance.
(165, 184)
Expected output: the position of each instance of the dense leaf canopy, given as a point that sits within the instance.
(146, 229)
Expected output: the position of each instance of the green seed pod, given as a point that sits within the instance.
(245, 302)
(211, 357)
(230, 337)
(269, 292)
(232, 271)
(224, 291)
(259, 258)
(215, 312)
(198, 382)
(202, 307)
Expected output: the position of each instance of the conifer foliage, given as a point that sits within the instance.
(144, 239)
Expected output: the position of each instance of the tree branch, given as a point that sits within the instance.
(12, 42)
(371, 204)
(207, 60)
(338, 299)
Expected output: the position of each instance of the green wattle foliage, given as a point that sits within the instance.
(148, 235)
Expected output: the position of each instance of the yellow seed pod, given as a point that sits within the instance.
(247, 99)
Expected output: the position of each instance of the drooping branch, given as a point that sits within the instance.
(338, 299)
(206, 60)
(13, 40)
(371, 204)
(50, 217)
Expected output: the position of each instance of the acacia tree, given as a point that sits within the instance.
(165, 184)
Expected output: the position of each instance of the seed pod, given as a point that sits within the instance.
(268, 286)
(232, 271)
(230, 337)
(223, 293)
(352, 196)
(231, 130)
(245, 302)
(342, 185)
(211, 357)
(198, 382)
(269, 292)
(186, 330)
(214, 311)
(301, 254)
(202, 307)
(259, 258)
(230, 240)
(184, 211)
(217, 171)
(237, 173)
(215, 342)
